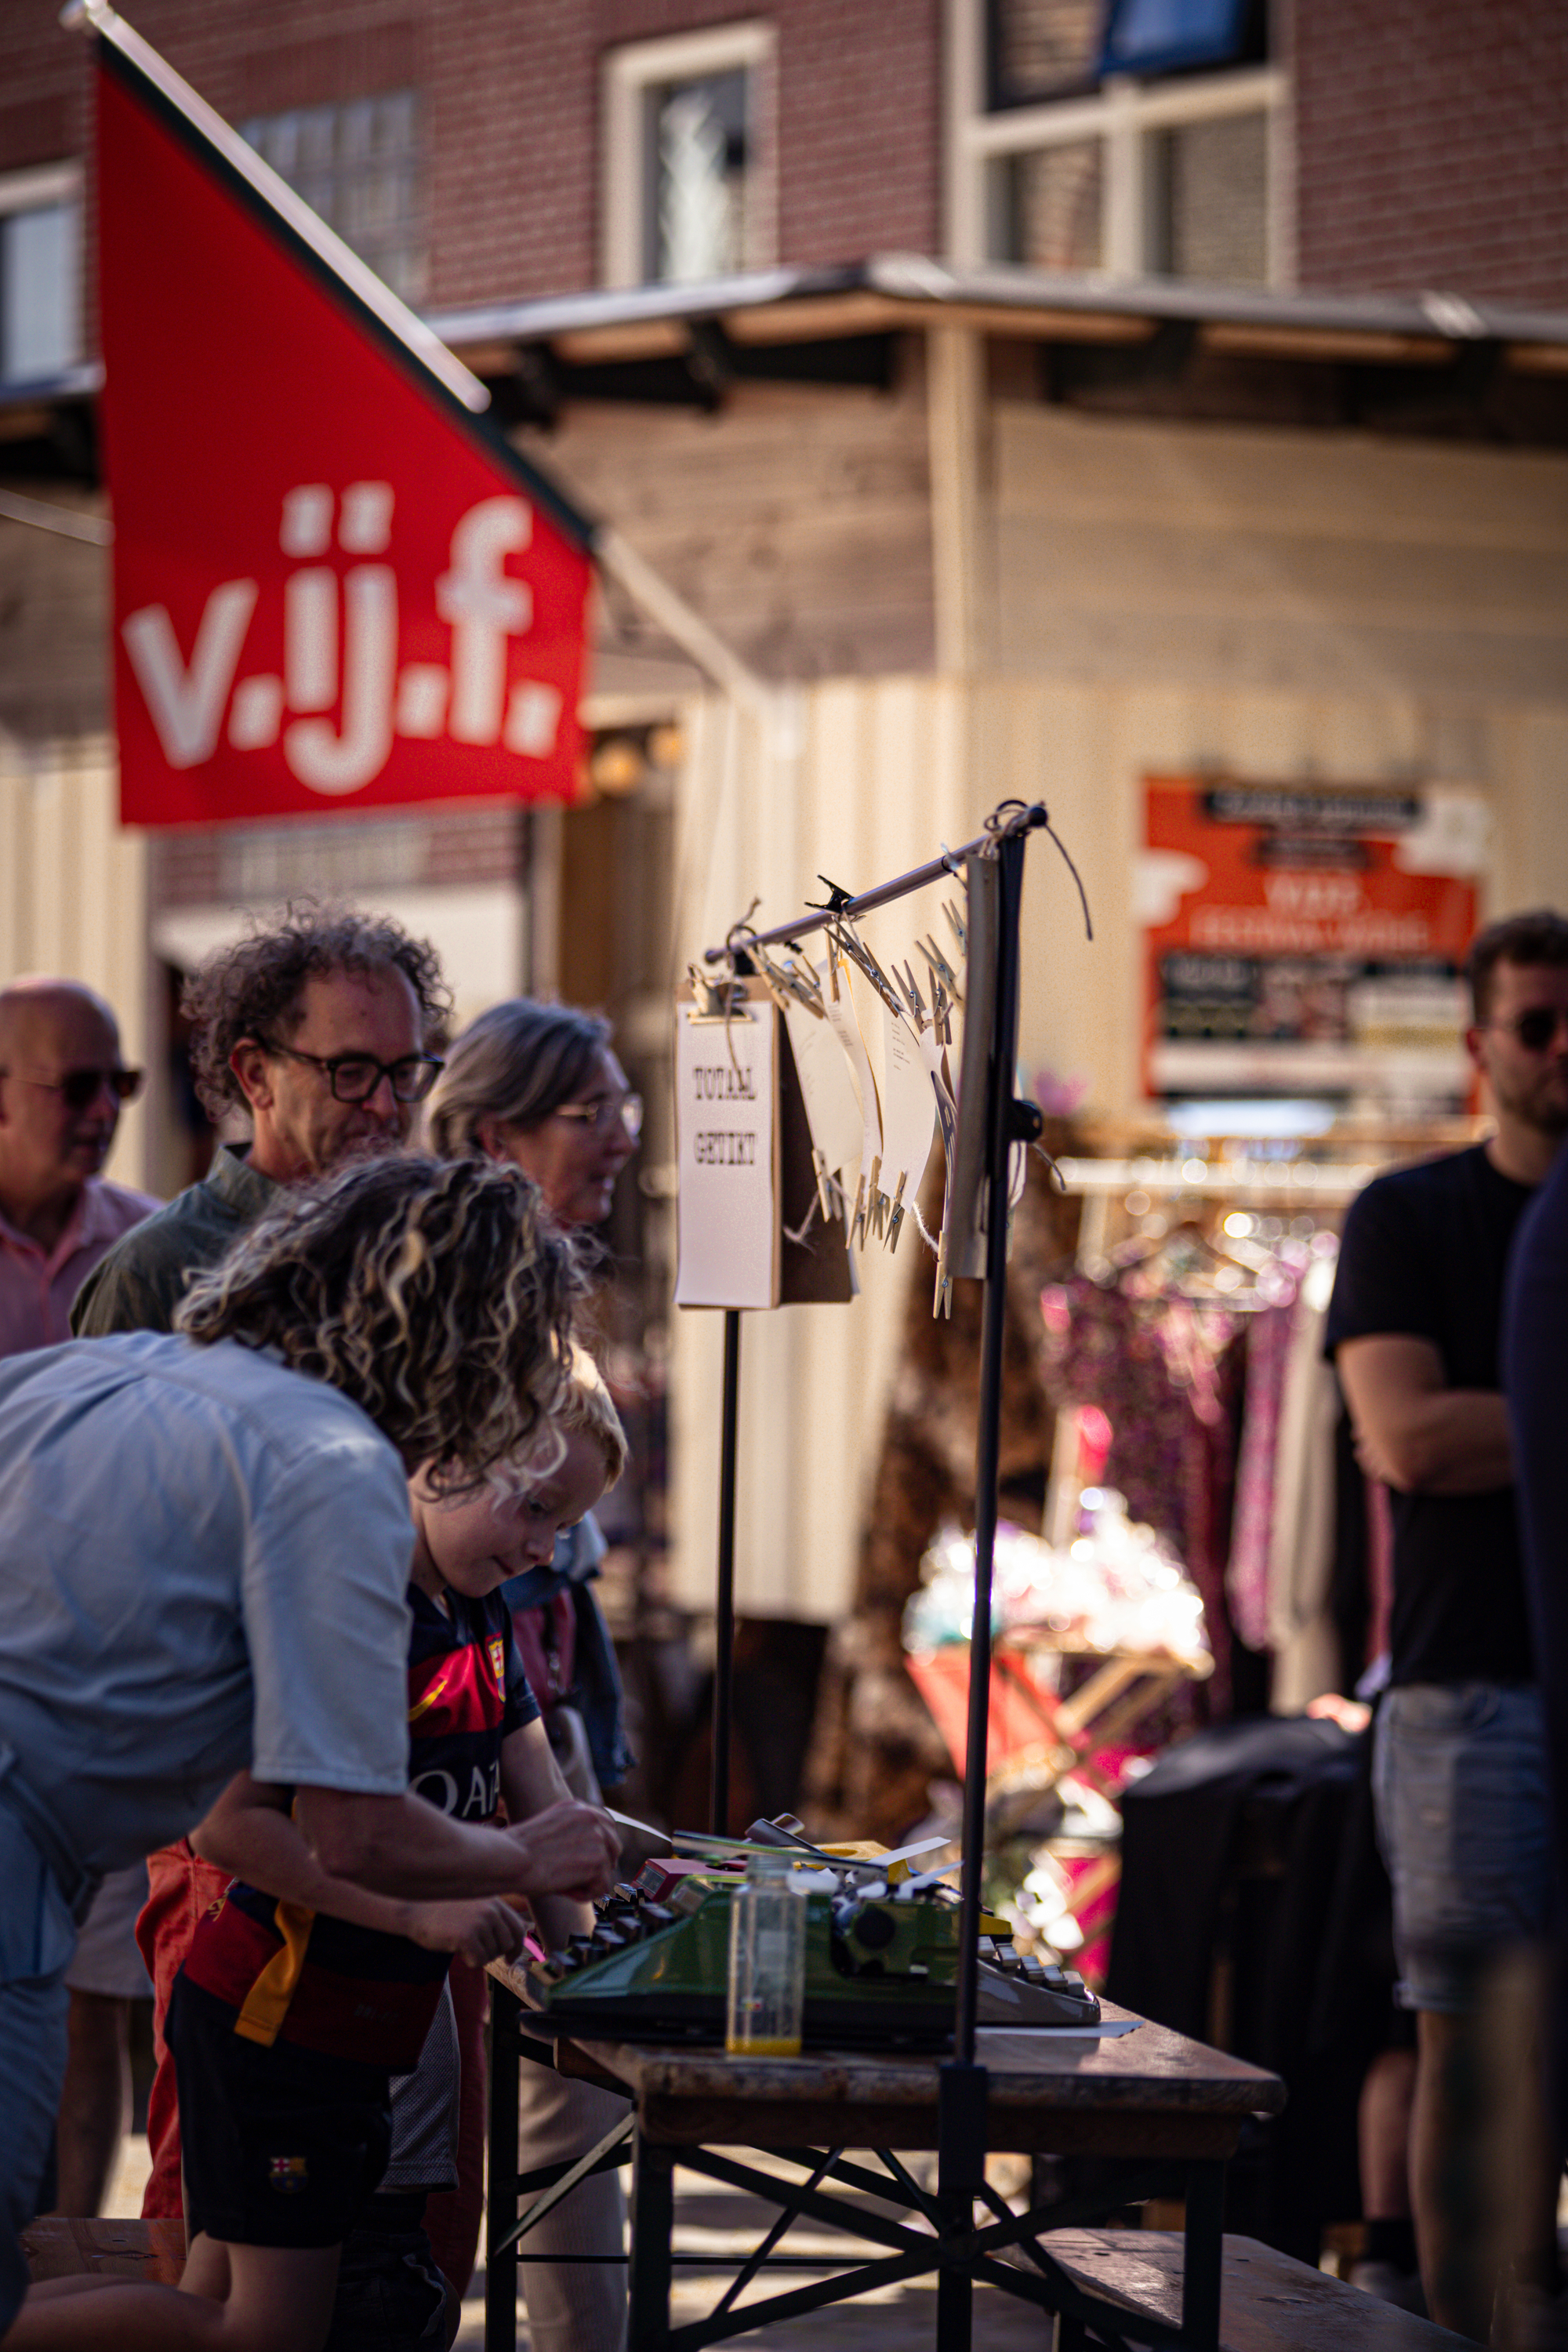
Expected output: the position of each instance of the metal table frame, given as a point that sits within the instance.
(942, 2234)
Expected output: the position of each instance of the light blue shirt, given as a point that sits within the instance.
(203, 1563)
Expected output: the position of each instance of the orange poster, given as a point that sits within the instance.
(1307, 940)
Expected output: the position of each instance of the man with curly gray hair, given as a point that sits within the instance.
(207, 1538)
(325, 1025)
(325, 1028)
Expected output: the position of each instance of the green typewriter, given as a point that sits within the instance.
(881, 1961)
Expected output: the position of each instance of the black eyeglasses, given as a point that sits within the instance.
(81, 1088)
(1536, 1028)
(354, 1077)
(623, 1110)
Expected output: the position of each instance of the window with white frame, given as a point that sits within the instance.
(40, 273)
(359, 165)
(1135, 137)
(687, 183)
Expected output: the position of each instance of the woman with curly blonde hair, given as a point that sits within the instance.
(207, 1540)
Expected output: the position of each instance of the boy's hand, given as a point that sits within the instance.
(480, 1928)
(570, 1848)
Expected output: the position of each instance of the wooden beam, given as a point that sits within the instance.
(1257, 340)
(955, 421)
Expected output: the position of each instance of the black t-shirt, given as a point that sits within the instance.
(1425, 1255)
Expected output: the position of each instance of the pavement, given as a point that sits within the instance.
(713, 2220)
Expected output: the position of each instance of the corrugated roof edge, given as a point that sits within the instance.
(914, 278)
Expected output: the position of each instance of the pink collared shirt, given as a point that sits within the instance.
(37, 1288)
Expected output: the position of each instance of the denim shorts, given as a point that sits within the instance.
(1459, 1779)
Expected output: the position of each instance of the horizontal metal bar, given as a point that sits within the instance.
(816, 919)
(549, 2174)
(1332, 1181)
(720, 2262)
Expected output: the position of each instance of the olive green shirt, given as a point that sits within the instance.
(144, 1277)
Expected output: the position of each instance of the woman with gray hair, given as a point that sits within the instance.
(539, 1087)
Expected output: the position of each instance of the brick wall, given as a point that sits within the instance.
(1433, 145)
(511, 122)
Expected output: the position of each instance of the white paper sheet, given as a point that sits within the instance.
(832, 1104)
(908, 1108)
(725, 1093)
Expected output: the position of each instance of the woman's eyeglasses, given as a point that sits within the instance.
(80, 1089)
(354, 1077)
(1536, 1028)
(602, 1116)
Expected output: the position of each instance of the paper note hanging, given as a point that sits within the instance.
(832, 1105)
(727, 1150)
(909, 1117)
(842, 1020)
(964, 1225)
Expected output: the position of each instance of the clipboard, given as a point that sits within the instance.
(750, 1230)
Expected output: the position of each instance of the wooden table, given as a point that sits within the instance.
(1164, 2114)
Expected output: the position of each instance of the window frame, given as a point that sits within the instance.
(1123, 114)
(630, 72)
(38, 187)
(422, 243)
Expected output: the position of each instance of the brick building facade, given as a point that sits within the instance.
(1432, 147)
(1427, 144)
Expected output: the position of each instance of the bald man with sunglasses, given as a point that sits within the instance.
(63, 1080)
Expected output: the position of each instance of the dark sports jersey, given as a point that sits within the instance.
(295, 1974)
(1425, 1255)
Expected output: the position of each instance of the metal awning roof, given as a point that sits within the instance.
(890, 291)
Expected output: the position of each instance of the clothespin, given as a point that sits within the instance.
(896, 1213)
(855, 949)
(781, 984)
(914, 1000)
(941, 1013)
(866, 1206)
(941, 968)
(960, 929)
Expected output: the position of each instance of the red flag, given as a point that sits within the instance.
(333, 585)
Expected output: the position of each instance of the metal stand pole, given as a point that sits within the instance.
(724, 1612)
(500, 2268)
(961, 2095)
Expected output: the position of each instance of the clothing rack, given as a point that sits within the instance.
(1330, 1182)
(1287, 1184)
(963, 2090)
(1298, 1184)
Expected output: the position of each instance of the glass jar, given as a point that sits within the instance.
(767, 1960)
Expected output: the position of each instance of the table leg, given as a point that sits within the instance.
(1202, 2256)
(653, 2222)
(500, 2269)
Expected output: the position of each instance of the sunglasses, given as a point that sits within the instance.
(1535, 1029)
(81, 1088)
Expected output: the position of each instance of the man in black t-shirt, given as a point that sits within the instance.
(1414, 1330)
